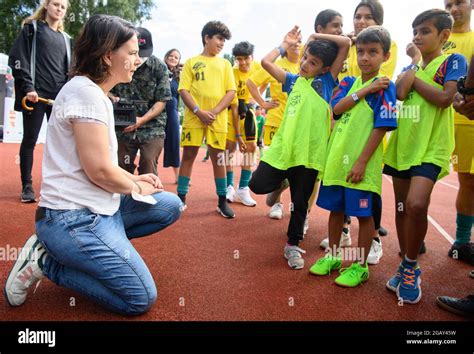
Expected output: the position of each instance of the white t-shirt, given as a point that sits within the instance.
(65, 185)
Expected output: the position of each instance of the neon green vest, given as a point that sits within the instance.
(425, 131)
(303, 135)
(348, 140)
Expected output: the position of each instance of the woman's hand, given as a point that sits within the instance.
(32, 96)
(149, 178)
(148, 188)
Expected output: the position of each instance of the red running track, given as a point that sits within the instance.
(209, 268)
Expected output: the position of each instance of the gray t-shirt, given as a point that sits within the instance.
(65, 184)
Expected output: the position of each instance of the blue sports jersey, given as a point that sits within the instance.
(323, 84)
(383, 103)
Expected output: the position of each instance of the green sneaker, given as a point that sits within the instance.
(353, 276)
(324, 265)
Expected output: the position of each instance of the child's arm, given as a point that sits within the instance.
(344, 44)
(452, 69)
(441, 98)
(224, 102)
(358, 170)
(348, 102)
(268, 62)
(205, 116)
(405, 81)
(257, 96)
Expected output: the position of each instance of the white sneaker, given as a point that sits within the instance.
(293, 255)
(345, 241)
(230, 194)
(243, 195)
(276, 211)
(306, 225)
(375, 252)
(26, 272)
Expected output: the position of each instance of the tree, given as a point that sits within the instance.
(230, 58)
(135, 11)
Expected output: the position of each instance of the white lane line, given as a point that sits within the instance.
(441, 230)
(433, 221)
(449, 185)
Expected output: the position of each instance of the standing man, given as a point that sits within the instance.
(462, 41)
(151, 87)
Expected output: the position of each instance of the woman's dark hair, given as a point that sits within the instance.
(100, 35)
(323, 49)
(324, 17)
(442, 19)
(243, 49)
(375, 7)
(176, 71)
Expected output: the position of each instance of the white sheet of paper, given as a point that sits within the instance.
(143, 198)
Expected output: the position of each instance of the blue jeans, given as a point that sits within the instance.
(92, 254)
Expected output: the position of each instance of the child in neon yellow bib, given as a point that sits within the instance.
(298, 149)
(365, 109)
(418, 153)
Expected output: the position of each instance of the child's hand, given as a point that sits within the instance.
(293, 37)
(206, 117)
(357, 173)
(381, 83)
(413, 52)
(270, 105)
(242, 145)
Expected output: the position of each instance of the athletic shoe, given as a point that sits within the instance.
(353, 276)
(306, 225)
(224, 209)
(274, 196)
(409, 289)
(471, 274)
(230, 194)
(376, 252)
(463, 253)
(28, 194)
(393, 282)
(293, 255)
(276, 212)
(345, 241)
(382, 231)
(243, 195)
(325, 265)
(463, 307)
(26, 272)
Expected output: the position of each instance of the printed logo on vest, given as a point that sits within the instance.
(363, 203)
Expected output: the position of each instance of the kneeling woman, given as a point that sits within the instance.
(90, 208)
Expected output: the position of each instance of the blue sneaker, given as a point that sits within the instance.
(393, 282)
(409, 290)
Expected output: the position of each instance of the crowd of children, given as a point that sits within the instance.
(331, 104)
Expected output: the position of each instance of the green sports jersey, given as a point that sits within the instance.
(425, 131)
(348, 140)
(302, 137)
(260, 123)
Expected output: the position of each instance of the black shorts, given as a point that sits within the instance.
(427, 170)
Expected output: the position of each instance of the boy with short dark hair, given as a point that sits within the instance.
(364, 108)
(207, 88)
(419, 152)
(242, 126)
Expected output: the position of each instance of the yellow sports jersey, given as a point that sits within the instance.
(207, 79)
(352, 69)
(262, 77)
(241, 82)
(461, 43)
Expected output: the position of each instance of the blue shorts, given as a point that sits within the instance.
(352, 202)
(427, 170)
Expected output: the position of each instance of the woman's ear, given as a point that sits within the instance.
(108, 59)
